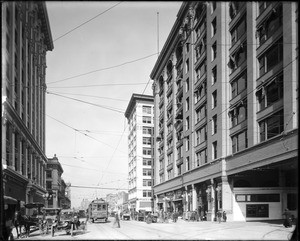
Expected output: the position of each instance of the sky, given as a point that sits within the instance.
(103, 53)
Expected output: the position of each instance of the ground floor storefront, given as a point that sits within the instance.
(258, 184)
(24, 191)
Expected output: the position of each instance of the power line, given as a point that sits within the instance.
(86, 21)
(101, 106)
(81, 132)
(85, 86)
(112, 67)
(95, 96)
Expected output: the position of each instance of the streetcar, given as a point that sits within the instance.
(98, 210)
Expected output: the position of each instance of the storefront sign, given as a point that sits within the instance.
(257, 210)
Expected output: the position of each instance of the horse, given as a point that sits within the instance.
(22, 221)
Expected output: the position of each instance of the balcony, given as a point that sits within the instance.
(161, 156)
(170, 89)
(170, 166)
(179, 143)
(161, 115)
(179, 161)
(161, 102)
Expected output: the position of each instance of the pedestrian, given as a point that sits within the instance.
(287, 218)
(224, 216)
(175, 216)
(219, 216)
(117, 221)
(201, 215)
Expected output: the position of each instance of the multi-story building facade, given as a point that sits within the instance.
(112, 199)
(226, 111)
(122, 200)
(55, 184)
(65, 200)
(139, 114)
(26, 38)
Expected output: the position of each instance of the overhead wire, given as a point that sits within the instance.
(98, 70)
(101, 106)
(86, 86)
(87, 21)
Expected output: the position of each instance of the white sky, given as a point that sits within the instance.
(122, 34)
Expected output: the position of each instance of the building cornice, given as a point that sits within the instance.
(134, 99)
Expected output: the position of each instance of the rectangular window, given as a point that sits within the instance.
(187, 85)
(147, 162)
(147, 172)
(271, 58)
(187, 143)
(272, 126)
(188, 164)
(187, 123)
(48, 174)
(271, 92)
(213, 27)
(215, 150)
(179, 169)
(147, 119)
(147, 109)
(147, 183)
(48, 185)
(201, 157)
(187, 66)
(239, 113)
(214, 99)
(147, 130)
(214, 51)
(187, 104)
(146, 140)
(238, 85)
(214, 75)
(238, 31)
(214, 124)
(239, 142)
(147, 151)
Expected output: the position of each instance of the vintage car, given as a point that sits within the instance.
(126, 216)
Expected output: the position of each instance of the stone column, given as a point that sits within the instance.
(194, 196)
(19, 157)
(13, 152)
(213, 201)
(25, 160)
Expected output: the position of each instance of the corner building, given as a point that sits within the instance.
(226, 111)
(139, 114)
(26, 38)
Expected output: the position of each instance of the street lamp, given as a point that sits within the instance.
(47, 197)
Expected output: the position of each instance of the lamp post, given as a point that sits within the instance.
(47, 197)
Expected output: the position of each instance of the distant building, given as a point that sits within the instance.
(55, 184)
(84, 204)
(112, 201)
(226, 87)
(26, 39)
(122, 201)
(65, 201)
(139, 114)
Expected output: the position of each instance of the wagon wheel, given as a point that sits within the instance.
(72, 227)
(41, 228)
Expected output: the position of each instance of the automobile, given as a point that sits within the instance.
(141, 215)
(112, 213)
(126, 216)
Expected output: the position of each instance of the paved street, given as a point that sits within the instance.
(181, 230)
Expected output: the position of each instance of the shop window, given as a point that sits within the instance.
(292, 201)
